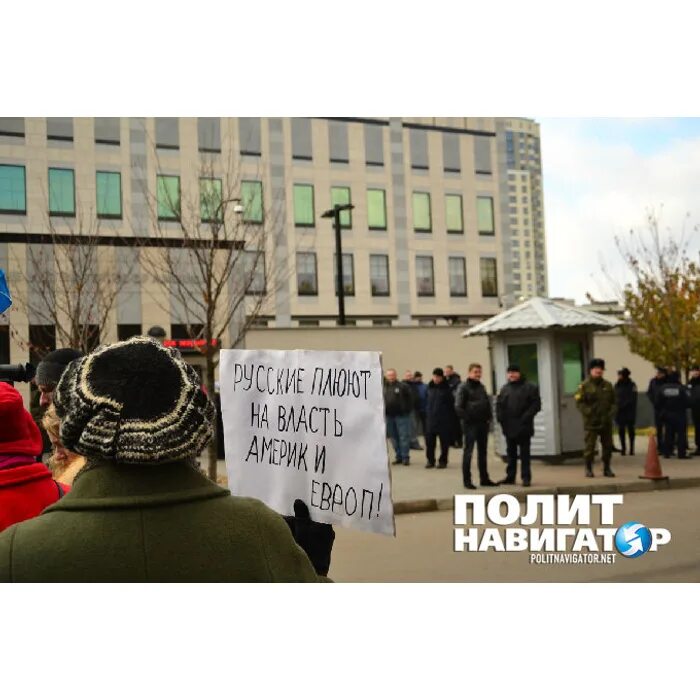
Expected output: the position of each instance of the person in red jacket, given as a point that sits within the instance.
(26, 486)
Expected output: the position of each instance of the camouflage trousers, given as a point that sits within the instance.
(590, 436)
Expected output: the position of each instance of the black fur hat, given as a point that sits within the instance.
(133, 402)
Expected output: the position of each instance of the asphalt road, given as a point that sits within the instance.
(423, 550)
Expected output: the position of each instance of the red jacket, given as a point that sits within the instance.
(26, 488)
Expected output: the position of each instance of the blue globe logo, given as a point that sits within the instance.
(633, 539)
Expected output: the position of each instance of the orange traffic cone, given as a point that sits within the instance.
(652, 467)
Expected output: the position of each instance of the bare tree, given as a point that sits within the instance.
(212, 256)
(67, 280)
(661, 295)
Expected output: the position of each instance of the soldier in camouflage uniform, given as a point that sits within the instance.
(595, 399)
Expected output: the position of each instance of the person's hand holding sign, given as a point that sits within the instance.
(316, 539)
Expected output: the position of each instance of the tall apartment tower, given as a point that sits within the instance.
(522, 209)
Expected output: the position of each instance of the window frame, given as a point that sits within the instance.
(373, 293)
(369, 226)
(481, 232)
(463, 260)
(57, 213)
(313, 205)
(314, 292)
(432, 276)
(459, 231)
(244, 218)
(352, 274)
(178, 216)
(481, 276)
(260, 257)
(20, 212)
(416, 229)
(347, 212)
(113, 217)
(220, 207)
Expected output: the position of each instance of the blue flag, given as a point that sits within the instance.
(5, 298)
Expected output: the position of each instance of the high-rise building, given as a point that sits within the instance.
(427, 243)
(521, 208)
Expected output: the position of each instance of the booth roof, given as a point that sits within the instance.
(540, 313)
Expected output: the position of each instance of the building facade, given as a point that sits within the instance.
(522, 209)
(428, 242)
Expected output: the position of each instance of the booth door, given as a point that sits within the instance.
(571, 374)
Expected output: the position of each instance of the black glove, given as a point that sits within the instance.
(316, 539)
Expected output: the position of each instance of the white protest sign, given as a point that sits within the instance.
(310, 425)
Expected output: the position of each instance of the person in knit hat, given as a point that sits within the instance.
(49, 371)
(26, 486)
(139, 509)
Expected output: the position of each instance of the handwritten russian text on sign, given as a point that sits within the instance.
(308, 424)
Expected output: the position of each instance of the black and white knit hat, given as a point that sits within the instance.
(134, 402)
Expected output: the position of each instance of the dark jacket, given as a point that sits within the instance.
(694, 393)
(595, 398)
(422, 389)
(653, 390)
(398, 399)
(440, 411)
(454, 380)
(140, 523)
(415, 397)
(516, 407)
(472, 403)
(626, 399)
(672, 400)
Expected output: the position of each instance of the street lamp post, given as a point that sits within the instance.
(335, 215)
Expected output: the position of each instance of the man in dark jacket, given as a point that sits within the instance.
(626, 416)
(398, 404)
(140, 511)
(473, 407)
(454, 380)
(652, 394)
(438, 417)
(595, 398)
(422, 389)
(516, 407)
(410, 382)
(672, 405)
(694, 397)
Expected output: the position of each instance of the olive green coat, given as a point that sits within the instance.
(152, 523)
(595, 399)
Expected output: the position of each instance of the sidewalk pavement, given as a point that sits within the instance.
(416, 489)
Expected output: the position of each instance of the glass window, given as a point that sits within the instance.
(525, 355)
(450, 153)
(12, 126)
(338, 142)
(376, 209)
(458, 277)
(107, 130)
(421, 212)
(307, 282)
(167, 133)
(348, 274)
(419, 149)
(128, 330)
(425, 280)
(109, 195)
(301, 138)
(59, 128)
(304, 205)
(209, 134)
(252, 201)
(249, 135)
(254, 271)
(341, 195)
(13, 193)
(484, 212)
(453, 213)
(482, 155)
(489, 280)
(572, 362)
(61, 192)
(379, 275)
(168, 196)
(210, 193)
(374, 144)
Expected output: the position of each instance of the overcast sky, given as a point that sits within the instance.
(600, 177)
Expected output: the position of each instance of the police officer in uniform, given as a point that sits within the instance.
(595, 399)
(672, 405)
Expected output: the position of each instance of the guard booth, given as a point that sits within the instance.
(552, 342)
